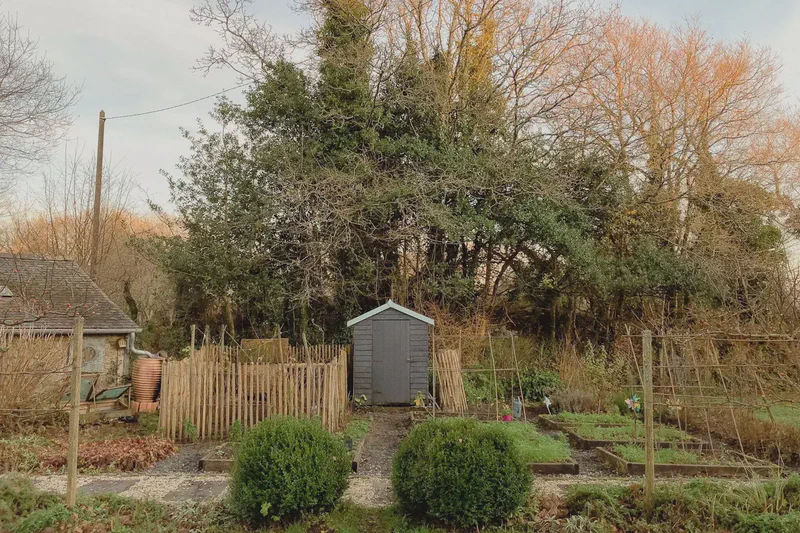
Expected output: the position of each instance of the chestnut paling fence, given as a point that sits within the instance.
(203, 395)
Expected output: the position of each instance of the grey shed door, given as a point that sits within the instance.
(390, 361)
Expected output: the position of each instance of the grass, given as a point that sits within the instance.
(784, 414)
(534, 446)
(669, 456)
(592, 418)
(356, 430)
(699, 505)
(630, 433)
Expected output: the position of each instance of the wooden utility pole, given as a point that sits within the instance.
(98, 190)
(649, 444)
(74, 413)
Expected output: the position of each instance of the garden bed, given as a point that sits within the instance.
(586, 437)
(218, 460)
(671, 462)
(567, 420)
(104, 446)
(543, 453)
(221, 458)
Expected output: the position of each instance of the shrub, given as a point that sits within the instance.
(461, 472)
(536, 384)
(286, 466)
(575, 401)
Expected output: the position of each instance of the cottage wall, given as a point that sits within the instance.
(103, 355)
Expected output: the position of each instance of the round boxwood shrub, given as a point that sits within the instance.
(285, 466)
(460, 471)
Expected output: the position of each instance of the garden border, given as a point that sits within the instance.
(708, 470)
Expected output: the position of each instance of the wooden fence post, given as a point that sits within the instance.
(433, 363)
(649, 444)
(74, 413)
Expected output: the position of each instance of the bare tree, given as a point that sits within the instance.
(34, 102)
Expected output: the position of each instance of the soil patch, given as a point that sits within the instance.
(186, 461)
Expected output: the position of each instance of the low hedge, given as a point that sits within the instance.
(286, 466)
(461, 472)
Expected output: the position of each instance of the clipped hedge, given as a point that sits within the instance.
(286, 466)
(461, 472)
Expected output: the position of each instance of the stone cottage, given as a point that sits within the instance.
(45, 295)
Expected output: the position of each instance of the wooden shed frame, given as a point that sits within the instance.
(388, 342)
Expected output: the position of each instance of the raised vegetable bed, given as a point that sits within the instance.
(543, 453)
(704, 467)
(587, 437)
(219, 460)
(563, 421)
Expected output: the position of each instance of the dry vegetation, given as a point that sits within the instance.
(34, 371)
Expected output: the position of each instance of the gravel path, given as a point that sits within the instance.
(165, 487)
(388, 428)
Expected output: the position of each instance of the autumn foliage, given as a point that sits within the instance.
(127, 454)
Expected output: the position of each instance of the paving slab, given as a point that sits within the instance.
(107, 486)
(197, 490)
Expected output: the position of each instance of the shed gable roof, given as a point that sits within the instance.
(47, 294)
(389, 305)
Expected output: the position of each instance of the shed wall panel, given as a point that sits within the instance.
(418, 354)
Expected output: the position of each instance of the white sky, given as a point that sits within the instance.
(137, 55)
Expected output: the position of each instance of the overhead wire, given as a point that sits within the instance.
(130, 115)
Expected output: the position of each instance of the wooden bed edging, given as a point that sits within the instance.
(357, 454)
(553, 468)
(210, 463)
(706, 470)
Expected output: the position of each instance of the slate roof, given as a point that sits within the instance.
(47, 294)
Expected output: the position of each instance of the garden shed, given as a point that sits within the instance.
(390, 355)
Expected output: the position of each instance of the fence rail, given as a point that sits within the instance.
(202, 395)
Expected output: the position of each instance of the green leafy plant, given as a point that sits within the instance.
(479, 387)
(287, 466)
(461, 472)
(237, 431)
(361, 401)
(190, 430)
